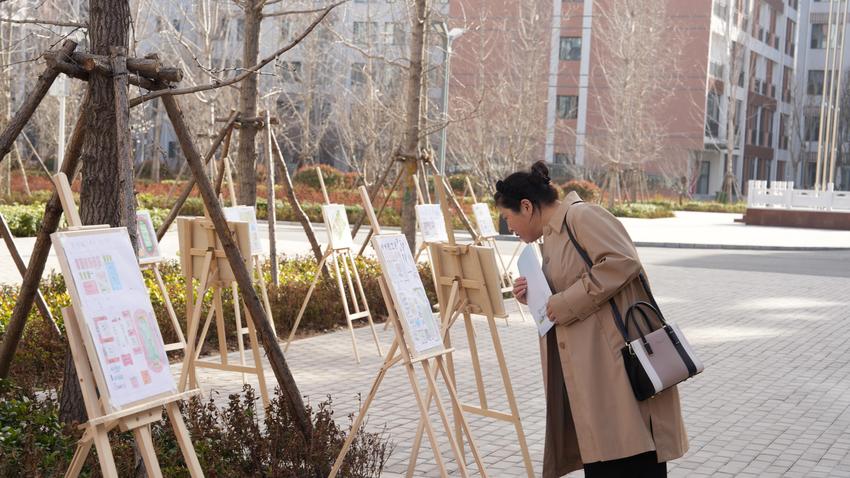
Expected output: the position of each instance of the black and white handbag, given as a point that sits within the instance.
(657, 359)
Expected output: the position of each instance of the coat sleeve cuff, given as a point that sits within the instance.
(574, 303)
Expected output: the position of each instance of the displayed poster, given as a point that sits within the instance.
(431, 223)
(115, 313)
(538, 288)
(148, 245)
(249, 215)
(421, 326)
(484, 220)
(336, 222)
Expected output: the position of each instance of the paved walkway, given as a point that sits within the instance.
(772, 328)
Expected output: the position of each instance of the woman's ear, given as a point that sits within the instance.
(526, 206)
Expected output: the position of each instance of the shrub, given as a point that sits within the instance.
(334, 178)
(23, 220)
(229, 439)
(587, 190)
(710, 206)
(641, 210)
(457, 182)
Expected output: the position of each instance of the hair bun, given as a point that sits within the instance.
(540, 171)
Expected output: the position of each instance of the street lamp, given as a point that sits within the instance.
(451, 36)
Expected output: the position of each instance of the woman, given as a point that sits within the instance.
(593, 420)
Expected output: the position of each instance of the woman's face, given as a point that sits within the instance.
(524, 223)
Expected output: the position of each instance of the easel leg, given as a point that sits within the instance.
(456, 403)
(258, 361)
(80, 455)
(104, 453)
(365, 303)
(453, 443)
(264, 293)
(423, 414)
(202, 337)
(144, 442)
(240, 336)
(307, 298)
(476, 362)
(168, 306)
(183, 439)
(509, 392)
(345, 304)
(349, 282)
(364, 408)
(219, 323)
(189, 358)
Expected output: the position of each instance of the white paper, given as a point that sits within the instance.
(414, 309)
(336, 222)
(117, 314)
(484, 220)
(148, 245)
(538, 292)
(249, 215)
(431, 223)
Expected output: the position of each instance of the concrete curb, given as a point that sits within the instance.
(733, 247)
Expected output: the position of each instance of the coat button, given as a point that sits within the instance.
(563, 345)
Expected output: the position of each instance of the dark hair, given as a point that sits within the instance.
(534, 185)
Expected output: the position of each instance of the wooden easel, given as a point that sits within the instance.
(505, 276)
(358, 300)
(202, 258)
(403, 351)
(104, 416)
(152, 264)
(466, 285)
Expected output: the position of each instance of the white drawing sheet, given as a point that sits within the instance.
(538, 292)
(408, 292)
(148, 245)
(336, 222)
(115, 312)
(484, 220)
(431, 223)
(249, 215)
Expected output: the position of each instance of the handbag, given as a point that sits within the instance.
(657, 359)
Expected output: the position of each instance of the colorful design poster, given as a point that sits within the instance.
(336, 221)
(116, 313)
(484, 220)
(538, 288)
(249, 215)
(148, 245)
(431, 223)
(414, 310)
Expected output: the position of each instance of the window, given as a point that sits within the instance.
(291, 71)
(561, 159)
(240, 29)
(364, 32)
(812, 128)
(172, 149)
(704, 175)
(394, 33)
(815, 83)
(567, 107)
(818, 36)
(285, 29)
(570, 48)
(358, 73)
(712, 115)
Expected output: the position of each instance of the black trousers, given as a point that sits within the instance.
(644, 465)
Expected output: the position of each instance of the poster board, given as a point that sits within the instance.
(539, 291)
(336, 222)
(193, 233)
(420, 326)
(249, 215)
(484, 220)
(118, 325)
(431, 223)
(148, 245)
(479, 264)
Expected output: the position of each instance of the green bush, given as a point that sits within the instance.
(25, 219)
(710, 206)
(334, 178)
(457, 182)
(229, 439)
(641, 210)
(587, 190)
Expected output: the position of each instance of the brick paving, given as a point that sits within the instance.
(774, 400)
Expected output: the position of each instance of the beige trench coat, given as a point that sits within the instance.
(600, 419)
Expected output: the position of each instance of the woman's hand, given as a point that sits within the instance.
(521, 290)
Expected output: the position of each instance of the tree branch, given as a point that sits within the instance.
(250, 71)
(36, 21)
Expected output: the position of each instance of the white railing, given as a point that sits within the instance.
(781, 194)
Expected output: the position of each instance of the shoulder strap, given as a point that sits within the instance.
(618, 318)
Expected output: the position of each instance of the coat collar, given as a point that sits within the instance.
(556, 222)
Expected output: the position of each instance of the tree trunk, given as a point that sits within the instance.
(410, 145)
(247, 155)
(101, 191)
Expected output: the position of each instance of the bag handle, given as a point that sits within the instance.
(618, 318)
